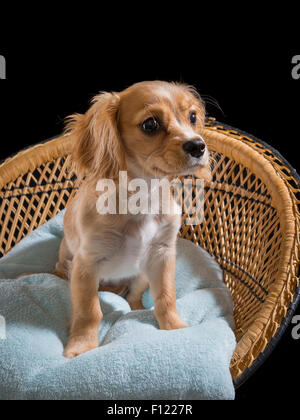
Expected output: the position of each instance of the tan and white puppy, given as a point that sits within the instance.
(151, 130)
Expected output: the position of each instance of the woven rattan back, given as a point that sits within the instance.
(251, 224)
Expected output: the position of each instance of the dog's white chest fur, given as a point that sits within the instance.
(131, 253)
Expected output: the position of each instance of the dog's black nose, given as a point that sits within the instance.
(195, 148)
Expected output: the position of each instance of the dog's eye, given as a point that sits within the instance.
(150, 126)
(193, 118)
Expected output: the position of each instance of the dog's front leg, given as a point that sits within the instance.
(161, 273)
(86, 310)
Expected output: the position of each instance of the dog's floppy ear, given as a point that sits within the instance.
(98, 150)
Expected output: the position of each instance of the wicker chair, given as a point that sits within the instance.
(251, 226)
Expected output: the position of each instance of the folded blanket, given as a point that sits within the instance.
(135, 360)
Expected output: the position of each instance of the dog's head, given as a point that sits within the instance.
(153, 129)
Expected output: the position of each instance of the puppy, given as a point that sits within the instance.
(151, 130)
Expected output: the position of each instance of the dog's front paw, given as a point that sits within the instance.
(173, 325)
(171, 321)
(78, 346)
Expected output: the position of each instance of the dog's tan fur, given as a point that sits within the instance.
(138, 250)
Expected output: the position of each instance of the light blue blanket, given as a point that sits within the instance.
(135, 359)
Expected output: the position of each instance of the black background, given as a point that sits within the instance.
(50, 77)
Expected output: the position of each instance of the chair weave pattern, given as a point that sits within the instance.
(250, 226)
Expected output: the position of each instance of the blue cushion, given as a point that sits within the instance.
(135, 360)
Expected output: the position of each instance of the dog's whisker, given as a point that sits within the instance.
(212, 101)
